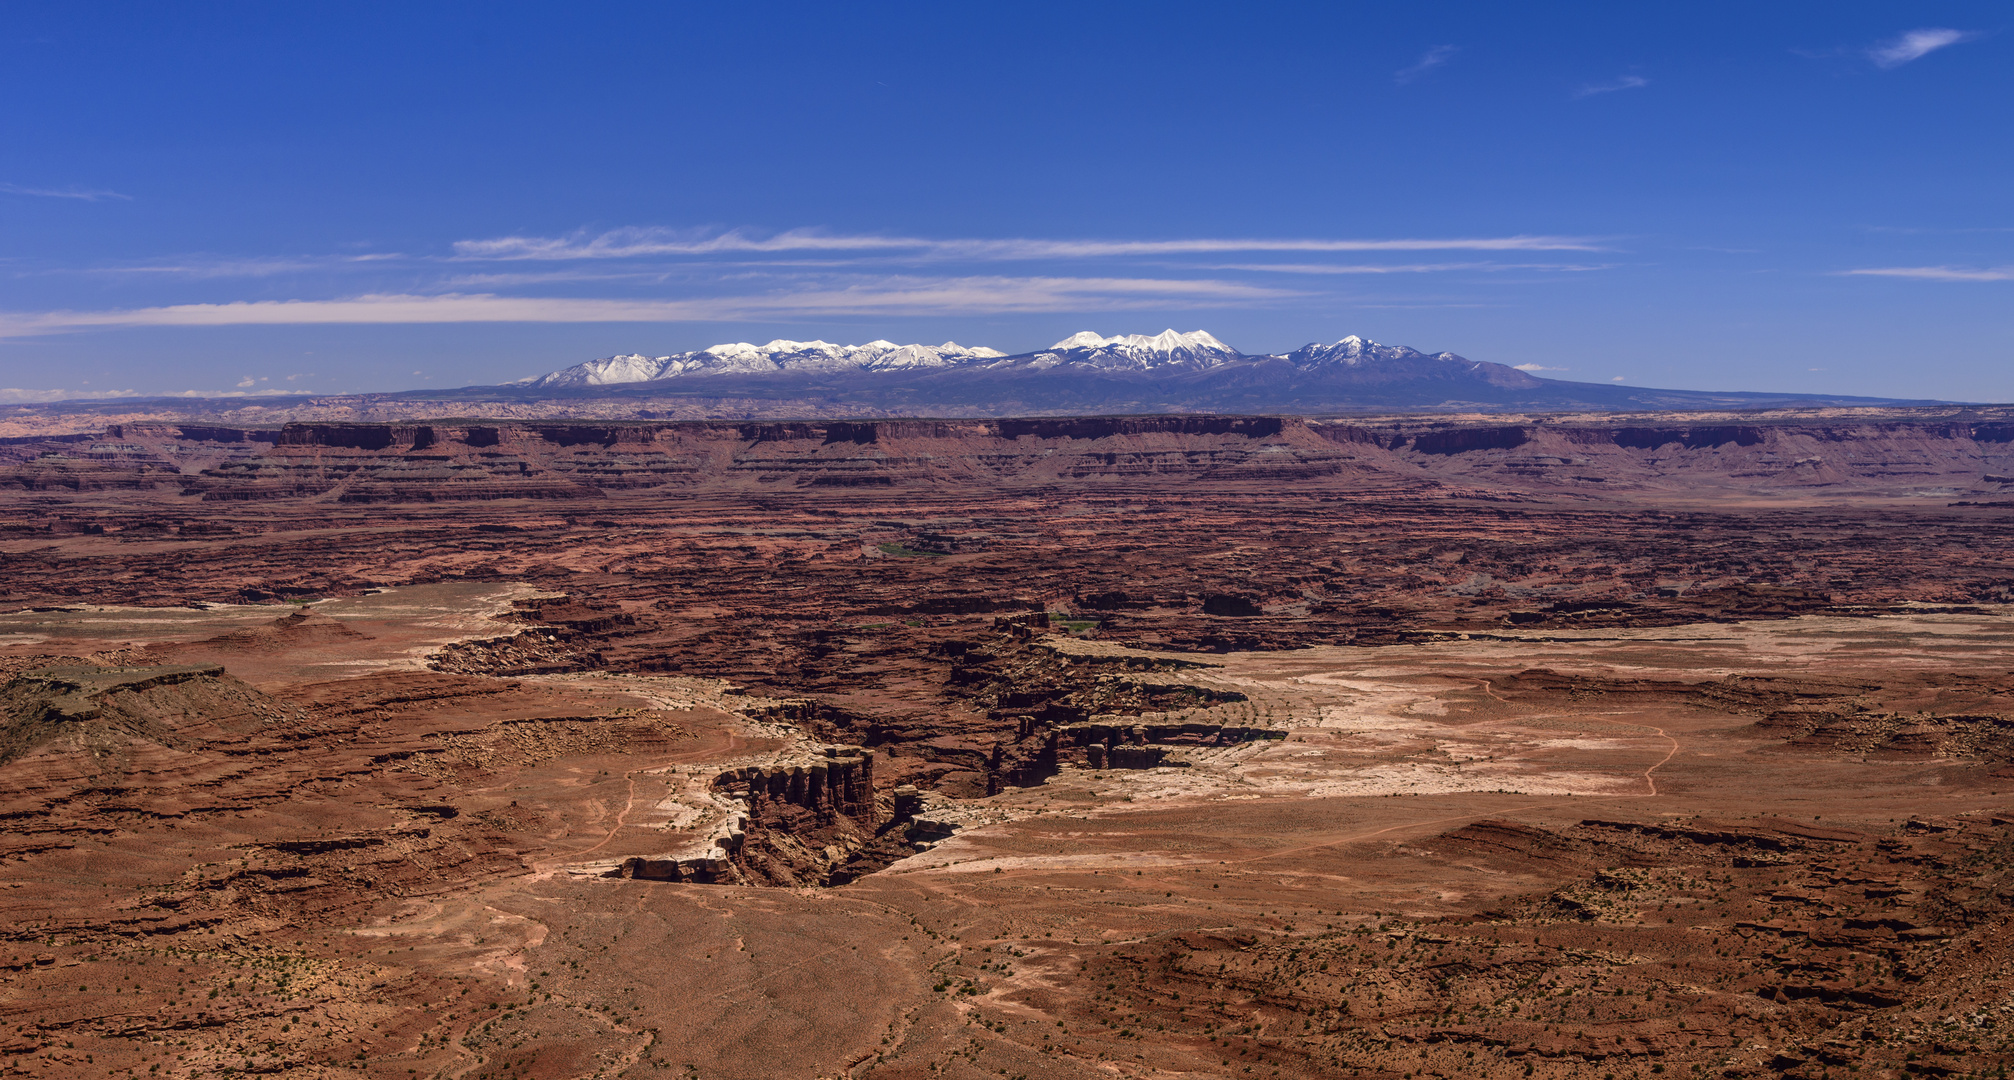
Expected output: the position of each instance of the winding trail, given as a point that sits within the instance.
(1673, 752)
(1488, 689)
(1661, 733)
(734, 743)
(621, 817)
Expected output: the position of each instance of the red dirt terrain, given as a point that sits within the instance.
(1146, 746)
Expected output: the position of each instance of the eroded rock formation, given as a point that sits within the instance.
(840, 783)
(432, 462)
(1502, 793)
(102, 716)
(805, 819)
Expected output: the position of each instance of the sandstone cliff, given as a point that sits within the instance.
(1959, 454)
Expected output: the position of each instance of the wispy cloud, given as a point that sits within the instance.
(14, 395)
(1349, 268)
(506, 280)
(1626, 82)
(887, 296)
(640, 242)
(635, 242)
(240, 267)
(1431, 59)
(1538, 367)
(663, 275)
(80, 194)
(1935, 273)
(1405, 268)
(1915, 45)
(1910, 230)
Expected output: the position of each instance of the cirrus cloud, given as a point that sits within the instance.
(1935, 273)
(1407, 268)
(642, 242)
(1431, 59)
(1915, 45)
(1626, 82)
(80, 194)
(886, 296)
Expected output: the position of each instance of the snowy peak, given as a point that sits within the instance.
(1358, 358)
(1353, 350)
(1166, 354)
(893, 356)
(742, 358)
(1167, 341)
(1140, 351)
(623, 368)
(1351, 346)
(1082, 339)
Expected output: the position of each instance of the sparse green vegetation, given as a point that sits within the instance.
(1071, 623)
(902, 552)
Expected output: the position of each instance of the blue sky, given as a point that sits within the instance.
(265, 197)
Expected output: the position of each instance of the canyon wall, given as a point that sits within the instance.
(841, 784)
(791, 822)
(1966, 454)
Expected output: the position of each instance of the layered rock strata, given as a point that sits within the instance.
(785, 821)
(840, 783)
(1119, 745)
(104, 715)
(1964, 453)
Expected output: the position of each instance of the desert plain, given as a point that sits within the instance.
(1555, 746)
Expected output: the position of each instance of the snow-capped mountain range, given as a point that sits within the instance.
(1168, 352)
(1137, 351)
(741, 358)
(1085, 374)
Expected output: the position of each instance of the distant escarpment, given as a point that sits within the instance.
(1965, 455)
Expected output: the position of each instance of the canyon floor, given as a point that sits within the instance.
(1168, 755)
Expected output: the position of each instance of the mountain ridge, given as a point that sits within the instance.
(1168, 351)
(1085, 373)
(742, 358)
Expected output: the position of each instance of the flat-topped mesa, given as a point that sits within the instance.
(1966, 456)
(114, 710)
(839, 782)
(75, 693)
